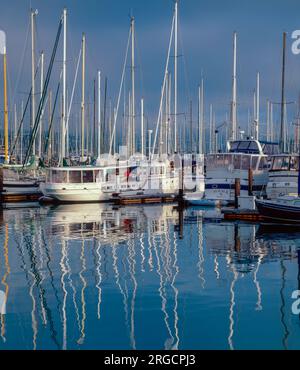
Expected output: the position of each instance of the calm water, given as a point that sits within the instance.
(94, 277)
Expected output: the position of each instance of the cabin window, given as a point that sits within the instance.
(253, 148)
(254, 162)
(236, 162)
(280, 164)
(294, 164)
(245, 163)
(87, 176)
(234, 146)
(243, 145)
(227, 160)
(97, 176)
(75, 177)
(263, 164)
(59, 177)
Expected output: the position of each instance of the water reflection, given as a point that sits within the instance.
(151, 277)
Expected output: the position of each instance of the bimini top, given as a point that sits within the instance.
(252, 146)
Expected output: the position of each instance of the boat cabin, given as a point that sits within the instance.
(73, 175)
(236, 161)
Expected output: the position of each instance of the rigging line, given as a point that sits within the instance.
(52, 117)
(73, 91)
(163, 88)
(185, 65)
(21, 64)
(39, 112)
(24, 113)
(120, 92)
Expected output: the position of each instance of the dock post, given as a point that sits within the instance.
(250, 182)
(237, 192)
(181, 182)
(1, 184)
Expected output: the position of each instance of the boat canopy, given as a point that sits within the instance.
(253, 147)
(73, 175)
(236, 161)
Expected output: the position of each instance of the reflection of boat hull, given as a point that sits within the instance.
(277, 231)
(272, 210)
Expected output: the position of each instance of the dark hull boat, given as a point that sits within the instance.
(284, 210)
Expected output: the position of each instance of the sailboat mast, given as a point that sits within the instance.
(257, 107)
(63, 132)
(142, 126)
(201, 117)
(271, 122)
(41, 94)
(211, 128)
(282, 133)
(175, 75)
(83, 96)
(99, 114)
(33, 14)
(133, 84)
(234, 91)
(15, 122)
(5, 103)
(268, 121)
(94, 121)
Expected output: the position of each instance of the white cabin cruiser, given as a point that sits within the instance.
(223, 168)
(283, 176)
(82, 184)
(74, 184)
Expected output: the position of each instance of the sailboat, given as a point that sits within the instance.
(73, 183)
(13, 182)
(242, 156)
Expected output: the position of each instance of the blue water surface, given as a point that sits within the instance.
(144, 277)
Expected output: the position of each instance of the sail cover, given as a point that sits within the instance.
(2, 42)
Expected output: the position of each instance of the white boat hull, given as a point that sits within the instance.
(74, 193)
(20, 187)
(282, 183)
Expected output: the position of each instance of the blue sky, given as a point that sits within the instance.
(206, 29)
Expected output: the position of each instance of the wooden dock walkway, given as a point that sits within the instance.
(22, 197)
(143, 199)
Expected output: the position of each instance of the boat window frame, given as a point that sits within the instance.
(273, 169)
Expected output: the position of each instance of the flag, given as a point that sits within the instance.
(2, 42)
(129, 170)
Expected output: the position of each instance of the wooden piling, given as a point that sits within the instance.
(1, 180)
(237, 192)
(250, 182)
